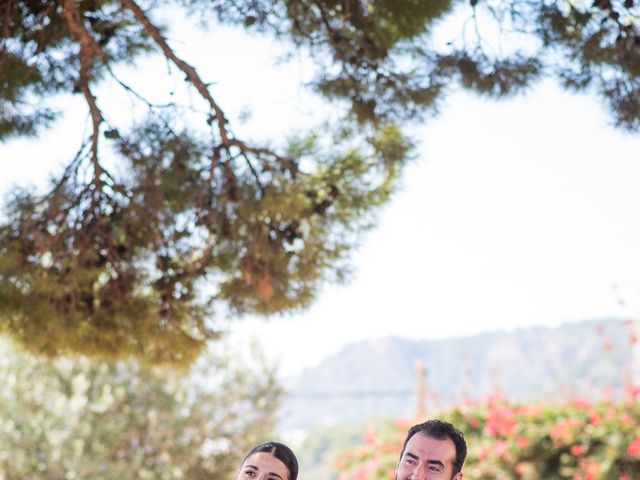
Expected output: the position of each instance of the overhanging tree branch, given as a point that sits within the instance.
(194, 78)
(189, 71)
(4, 32)
(88, 49)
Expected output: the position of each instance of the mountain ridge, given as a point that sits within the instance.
(377, 378)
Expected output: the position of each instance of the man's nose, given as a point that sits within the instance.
(419, 474)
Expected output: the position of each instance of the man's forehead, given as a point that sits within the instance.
(425, 447)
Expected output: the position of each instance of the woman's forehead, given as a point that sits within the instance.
(266, 462)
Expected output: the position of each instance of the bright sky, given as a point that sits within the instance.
(516, 213)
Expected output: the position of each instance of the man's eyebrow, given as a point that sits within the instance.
(430, 462)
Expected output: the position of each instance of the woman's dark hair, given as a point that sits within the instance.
(281, 452)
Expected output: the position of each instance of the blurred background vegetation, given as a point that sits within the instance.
(73, 418)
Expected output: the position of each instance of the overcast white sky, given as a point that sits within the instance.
(516, 213)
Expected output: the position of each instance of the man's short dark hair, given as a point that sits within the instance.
(441, 430)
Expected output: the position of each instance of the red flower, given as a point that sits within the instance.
(365, 470)
(474, 422)
(563, 431)
(500, 448)
(632, 391)
(633, 450)
(369, 437)
(578, 450)
(483, 453)
(626, 419)
(524, 468)
(500, 421)
(582, 404)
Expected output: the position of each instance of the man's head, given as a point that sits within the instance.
(432, 450)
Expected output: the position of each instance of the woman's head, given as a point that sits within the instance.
(269, 461)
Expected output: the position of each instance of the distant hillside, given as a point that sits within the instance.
(378, 378)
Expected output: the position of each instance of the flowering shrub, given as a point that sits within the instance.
(581, 440)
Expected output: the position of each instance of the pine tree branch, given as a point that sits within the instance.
(135, 93)
(189, 71)
(88, 49)
(5, 31)
(255, 150)
(5, 21)
(70, 170)
(199, 84)
(253, 172)
(41, 42)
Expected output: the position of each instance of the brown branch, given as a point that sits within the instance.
(198, 83)
(69, 171)
(5, 32)
(133, 92)
(41, 40)
(188, 70)
(254, 172)
(255, 150)
(7, 18)
(88, 49)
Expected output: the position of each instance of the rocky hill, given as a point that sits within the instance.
(378, 378)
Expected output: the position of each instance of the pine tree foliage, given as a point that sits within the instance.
(205, 221)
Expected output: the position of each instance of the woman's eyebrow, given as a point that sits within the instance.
(271, 474)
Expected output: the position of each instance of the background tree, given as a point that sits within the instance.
(199, 218)
(79, 419)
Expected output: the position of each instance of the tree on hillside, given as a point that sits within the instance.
(83, 419)
(134, 264)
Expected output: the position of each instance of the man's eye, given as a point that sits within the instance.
(410, 461)
(434, 468)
